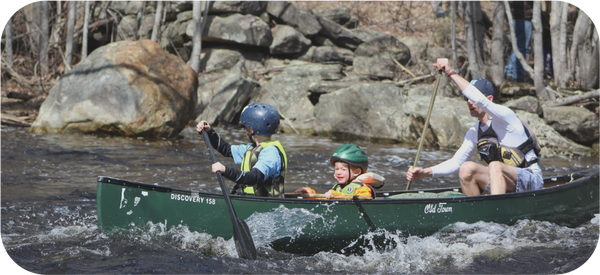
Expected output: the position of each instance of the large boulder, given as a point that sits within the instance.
(359, 112)
(551, 141)
(527, 103)
(575, 123)
(128, 88)
(288, 92)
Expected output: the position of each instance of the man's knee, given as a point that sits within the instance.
(467, 170)
(495, 167)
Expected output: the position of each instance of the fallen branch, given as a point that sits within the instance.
(403, 82)
(573, 99)
(11, 120)
(402, 67)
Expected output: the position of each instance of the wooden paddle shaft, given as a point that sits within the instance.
(435, 89)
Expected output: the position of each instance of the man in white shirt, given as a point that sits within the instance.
(506, 145)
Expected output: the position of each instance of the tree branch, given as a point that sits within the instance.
(573, 99)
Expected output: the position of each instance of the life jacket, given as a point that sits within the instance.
(349, 188)
(271, 187)
(490, 150)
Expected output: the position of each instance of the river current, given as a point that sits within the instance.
(49, 223)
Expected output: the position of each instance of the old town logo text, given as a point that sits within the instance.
(439, 208)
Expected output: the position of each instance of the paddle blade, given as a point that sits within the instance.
(243, 240)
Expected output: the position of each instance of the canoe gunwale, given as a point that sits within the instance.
(578, 178)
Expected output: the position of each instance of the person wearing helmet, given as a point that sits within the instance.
(350, 164)
(263, 161)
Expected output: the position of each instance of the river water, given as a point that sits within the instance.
(49, 223)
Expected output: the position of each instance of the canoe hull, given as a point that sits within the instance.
(325, 225)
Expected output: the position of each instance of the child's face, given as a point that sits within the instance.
(343, 172)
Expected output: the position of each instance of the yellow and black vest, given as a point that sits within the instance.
(348, 189)
(490, 150)
(271, 187)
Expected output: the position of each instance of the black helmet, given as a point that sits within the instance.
(350, 154)
(262, 118)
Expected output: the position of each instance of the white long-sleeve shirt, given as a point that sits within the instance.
(506, 124)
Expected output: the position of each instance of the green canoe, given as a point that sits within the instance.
(332, 225)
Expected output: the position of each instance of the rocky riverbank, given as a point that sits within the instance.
(326, 77)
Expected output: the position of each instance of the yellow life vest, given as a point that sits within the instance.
(271, 187)
(490, 150)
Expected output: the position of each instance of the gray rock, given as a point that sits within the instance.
(339, 35)
(236, 29)
(340, 16)
(321, 71)
(124, 88)
(287, 40)
(325, 54)
(244, 7)
(215, 59)
(551, 141)
(289, 95)
(221, 105)
(289, 14)
(374, 58)
(368, 110)
(575, 123)
(526, 103)
(127, 28)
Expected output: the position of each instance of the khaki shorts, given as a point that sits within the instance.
(527, 180)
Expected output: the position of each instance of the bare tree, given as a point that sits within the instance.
(70, 30)
(8, 43)
(469, 30)
(157, 19)
(453, 29)
(555, 23)
(561, 73)
(199, 23)
(86, 25)
(582, 65)
(538, 53)
(497, 52)
(43, 22)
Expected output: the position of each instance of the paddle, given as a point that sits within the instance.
(437, 84)
(241, 234)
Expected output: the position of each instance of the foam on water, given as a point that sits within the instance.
(453, 248)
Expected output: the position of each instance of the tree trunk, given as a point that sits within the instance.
(469, 30)
(70, 29)
(86, 25)
(513, 40)
(197, 38)
(581, 62)
(453, 27)
(573, 99)
(44, 36)
(538, 53)
(555, 23)
(497, 50)
(8, 43)
(157, 19)
(199, 23)
(562, 62)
